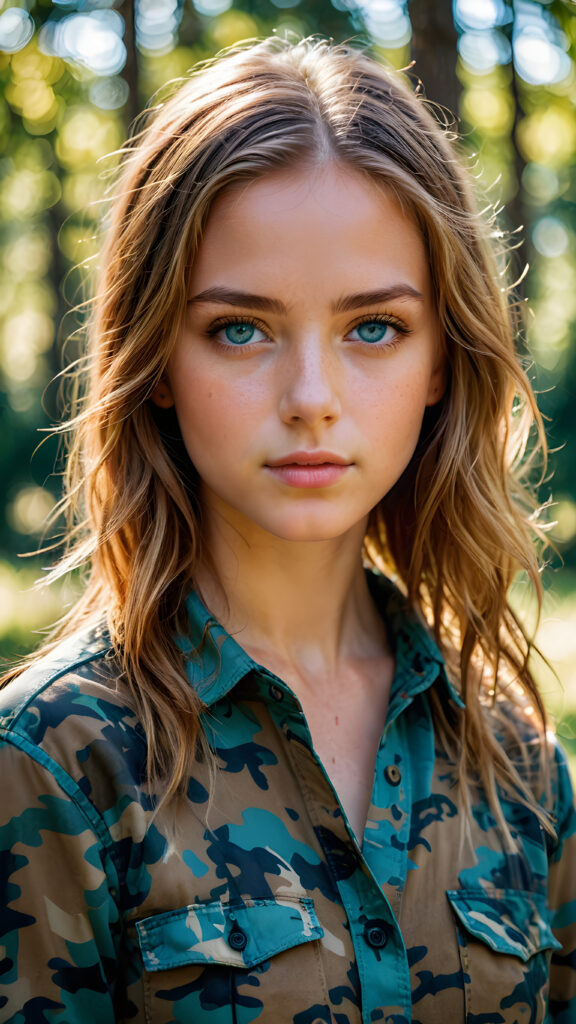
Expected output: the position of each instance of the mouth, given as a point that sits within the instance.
(312, 458)
(309, 470)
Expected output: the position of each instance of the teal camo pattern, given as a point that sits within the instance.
(256, 903)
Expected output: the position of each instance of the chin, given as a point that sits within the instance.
(309, 529)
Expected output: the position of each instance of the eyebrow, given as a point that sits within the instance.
(235, 297)
(374, 298)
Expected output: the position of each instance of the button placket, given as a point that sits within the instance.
(380, 953)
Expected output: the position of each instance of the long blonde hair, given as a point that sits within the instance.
(457, 526)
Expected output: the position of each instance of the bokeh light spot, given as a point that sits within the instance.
(490, 110)
(479, 14)
(540, 183)
(16, 29)
(76, 242)
(483, 51)
(28, 255)
(212, 7)
(231, 26)
(31, 330)
(388, 22)
(157, 23)
(109, 93)
(91, 40)
(539, 61)
(554, 309)
(34, 100)
(550, 237)
(548, 136)
(26, 193)
(564, 512)
(94, 40)
(28, 512)
(80, 190)
(85, 135)
(31, 63)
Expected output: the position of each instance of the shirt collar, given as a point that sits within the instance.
(419, 662)
(216, 662)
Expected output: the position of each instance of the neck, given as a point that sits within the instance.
(304, 605)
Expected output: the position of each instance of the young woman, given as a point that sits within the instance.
(254, 779)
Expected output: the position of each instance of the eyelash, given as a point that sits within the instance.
(401, 328)
(382, 318)
(227, 321)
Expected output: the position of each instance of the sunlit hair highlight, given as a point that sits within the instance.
(458, 525)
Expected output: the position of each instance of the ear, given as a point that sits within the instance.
(437, 385)
(162, 395)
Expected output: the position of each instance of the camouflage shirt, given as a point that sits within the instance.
(251, 900)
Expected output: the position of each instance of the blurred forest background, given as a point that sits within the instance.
(73, 76)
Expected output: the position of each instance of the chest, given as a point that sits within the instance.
(261, 901)
(346, 738)
(346, 722)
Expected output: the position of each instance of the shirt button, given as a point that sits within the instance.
(376, 935)
(237, 940)
(276, 693)
(392, 774)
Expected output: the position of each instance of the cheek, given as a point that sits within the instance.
(196, 402)
(214, 413)
(200, 419)
(395, 411)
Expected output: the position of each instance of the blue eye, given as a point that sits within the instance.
(374, 331)
(237, 333)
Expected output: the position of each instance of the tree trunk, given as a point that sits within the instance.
(130, 73)
(515, 208)
(434, 41)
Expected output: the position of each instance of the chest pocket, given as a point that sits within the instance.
(206, 961)
(505, 944)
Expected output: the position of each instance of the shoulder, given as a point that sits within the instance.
(74, 656)
(539, 759)
(75, 677)
(70, 714)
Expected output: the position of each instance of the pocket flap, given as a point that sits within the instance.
(239, 934)
(508, 920)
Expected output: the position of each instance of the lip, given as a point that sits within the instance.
(306, 470)
(309, 458)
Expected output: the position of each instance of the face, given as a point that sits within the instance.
(308, 355)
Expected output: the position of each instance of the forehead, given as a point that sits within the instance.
(327, 219)
(287, 188)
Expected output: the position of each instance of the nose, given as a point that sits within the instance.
(310, 385)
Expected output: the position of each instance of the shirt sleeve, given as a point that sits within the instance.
(562, 900)
(57, 911)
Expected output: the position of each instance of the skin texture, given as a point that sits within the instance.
(306, 380)
(313, 371)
